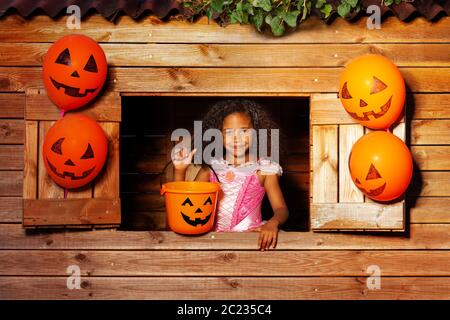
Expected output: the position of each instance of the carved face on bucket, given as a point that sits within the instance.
(197, 210)
(372, 91)
(74, 71)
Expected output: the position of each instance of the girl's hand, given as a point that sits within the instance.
(182, 159)
(268, 235)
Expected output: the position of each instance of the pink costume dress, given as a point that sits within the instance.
(239, 208)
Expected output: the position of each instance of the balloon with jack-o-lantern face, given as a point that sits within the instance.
(74, 151)
(74, 71)
(372, 91)
(381, 165)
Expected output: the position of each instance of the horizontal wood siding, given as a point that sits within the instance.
(175, 58)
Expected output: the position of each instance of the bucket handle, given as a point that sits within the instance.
(161, 186)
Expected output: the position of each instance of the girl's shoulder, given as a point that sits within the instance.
(267, 166)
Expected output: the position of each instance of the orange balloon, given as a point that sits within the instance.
(74, 151)
(372, 90)
(381, 165)
(74, 71)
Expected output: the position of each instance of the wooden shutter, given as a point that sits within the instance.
(44, 205)
(337, 204)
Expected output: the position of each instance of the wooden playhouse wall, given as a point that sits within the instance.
(204, 59)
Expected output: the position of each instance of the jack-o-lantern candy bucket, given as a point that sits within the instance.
(191, 205)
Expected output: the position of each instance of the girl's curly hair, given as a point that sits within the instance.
(259, 117)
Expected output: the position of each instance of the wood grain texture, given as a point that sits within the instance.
(224, 263)
(11, 157)
(429, 209)
(13, 105)
(325, 164)
(238, 55)
(30, 158)
(348, 135)
(11, 183)
(107, 184)
(68, 212)
(430, 183)
(11, 209)
(47, 188)
(357, 216)
(229, 80)
(106, 107)
(419, 237)
(194, 288)
(14, 28)
(431, 157)
(430, 132)
(12, 131)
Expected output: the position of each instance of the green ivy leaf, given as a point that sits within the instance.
(343, 9)
(258, 19)
(217, 5)
(326, 10)
(320, 4)
(266, 5)
(291, 18)
(276, 25)
(352, 3)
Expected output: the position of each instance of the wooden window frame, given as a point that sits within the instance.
(339, 207)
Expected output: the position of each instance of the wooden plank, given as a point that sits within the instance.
(429, 209)
(68, 212)
(224, 263)
(430, 132)
(30, 159)
(257, 79)
(11, 157)
(11, 183)
(84, 192)
(325, 164)
(357, 216)
(14, 28)
(47, 188)
(348, 135)
(327, 108)
(430, 183)
(428, 106)
(419, 237)
(107, 184)
(431, 157)
(10, 209)
(234, 288)
(12, 131)
(238, 55)
(13, 105)
(229, 80)
(107, 107)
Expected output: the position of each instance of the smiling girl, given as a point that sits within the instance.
(244, 181)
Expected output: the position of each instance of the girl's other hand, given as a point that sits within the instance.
(268, 235)
(182, 159)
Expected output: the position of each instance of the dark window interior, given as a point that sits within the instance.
(147, 123)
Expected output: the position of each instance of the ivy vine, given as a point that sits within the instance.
(275, 14)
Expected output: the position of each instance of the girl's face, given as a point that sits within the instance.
(237, 133)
